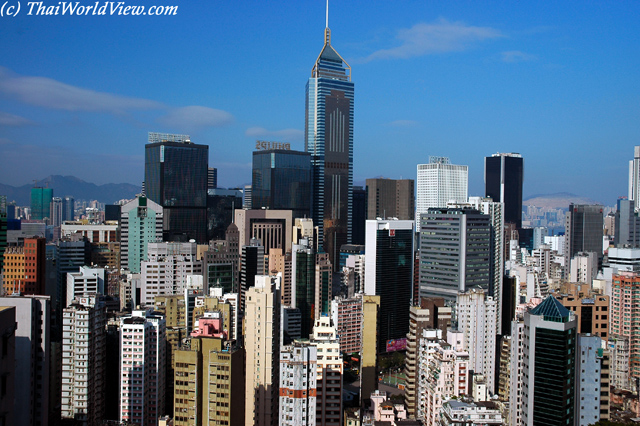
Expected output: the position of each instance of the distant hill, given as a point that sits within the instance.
(71, 186)
(559, 200)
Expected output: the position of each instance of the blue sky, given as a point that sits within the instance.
(555, 81)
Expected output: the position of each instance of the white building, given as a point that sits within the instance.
(106, 232)
(84, 360)
(167, 268)
(584, 267)
(88, 280)
(329, 376)
(142, 367)
(477, 321)
(460, 413)
(298, 370)
(439, 182)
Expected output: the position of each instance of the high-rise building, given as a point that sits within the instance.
(455, 252)
(8, 363)
(271, 227)
(329, 140)
(142, 367)
(221, 262)
(3, 237)
(627, 224)
(625, 318)
(68, 209)
(476, 314)
(55, 212)
(212, 178)
(25, 267)
(438, 183)
(549, 367)
(634, 176)
(88, 280)
(40, 202)
(281, 180)
(389, 274)
(329, 377)
(503, 178)
(32, 359)
(358, 214)
(84, 360)
(390, 198)
(583, 231)
(140, 224)
(221, 207)
(369, 351)
(592, 380)
(298, 372)
(251, 265)
(262, 346)
(175, 177)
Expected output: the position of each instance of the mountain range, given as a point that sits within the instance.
(559, 200)
(79, 189)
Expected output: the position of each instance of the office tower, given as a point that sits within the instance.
(627, 224)
(583, 231)
(476, 314)
(88, 280)
(40, 202)
(634, 176)
(467, 262)
(624, 321)
(298, 372)
(262, 346)
(55, 212)
(140, 224)
(438, 183)
(142, 367)
(251, 265)
(389, 274)
(329, 140)
(221, 262)
(68, 208)
(549, 354)
(84, 360)
(281, 180)
(271, 227)
(592, 380)
(304, 229)
(167, 268)
(584, 267)
(369, 351)
(329, 377)
(8, 363)
(429, 314)
(175, 177)
(246, 197)
(503, 178)
(221, 207)
(24, 267)
(390, 198)
(358, 214)
(32, 359)
(112, 212)
(212, 178)
(209, 377)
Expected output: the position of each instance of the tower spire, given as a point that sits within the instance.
(327, 24)
(327, 31)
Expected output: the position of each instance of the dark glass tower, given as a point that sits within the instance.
(583, 231)
(175, 176)
(40, 202)
(503, 177)
(329, 140)
(281, 180)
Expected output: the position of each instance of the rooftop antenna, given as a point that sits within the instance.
(327, 24)
(327, 31)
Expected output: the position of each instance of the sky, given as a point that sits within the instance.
(554, 81)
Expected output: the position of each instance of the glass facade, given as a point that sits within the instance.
(176, 178)
(329, 140)
(503, 178)
(305, 280)
(40, 202)
(281, 180)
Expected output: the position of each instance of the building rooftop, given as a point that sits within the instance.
(551, 309)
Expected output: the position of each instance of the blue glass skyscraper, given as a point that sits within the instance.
(329, 140)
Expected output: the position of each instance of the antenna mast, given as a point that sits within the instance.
(327, 24)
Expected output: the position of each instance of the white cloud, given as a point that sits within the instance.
(285, 135)
(7, 119)
(517, 56)
(437, 37)
(194, 117)
(49, 93)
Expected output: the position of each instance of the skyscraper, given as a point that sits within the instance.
(549, 365)
(634, 176)
(329, 140)
(140, 224)
(439, 182)
(175, 176)
(281, 180)
(583, 231)
(40, 202)
(503, 177)
(390, 198)
(389, 274)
